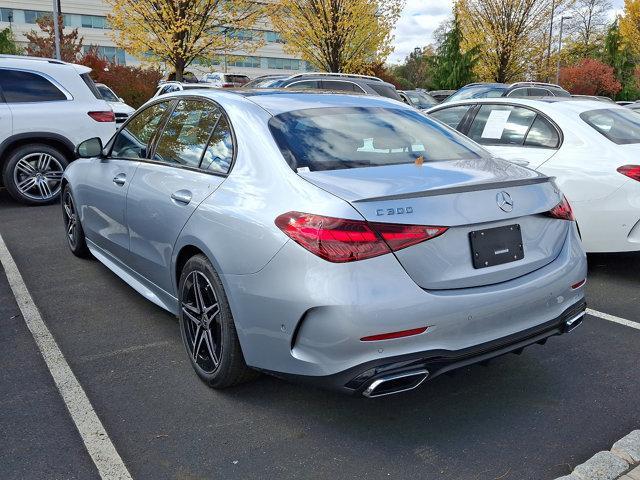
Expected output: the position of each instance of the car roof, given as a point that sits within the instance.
(34, 61)
(277, 101)
(577, 105)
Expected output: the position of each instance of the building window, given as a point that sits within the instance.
(273, 37)
(72, 20)
(111, 54)
(6, 14)
(284, 64)
(32, 16)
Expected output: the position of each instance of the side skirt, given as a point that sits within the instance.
(144, 287)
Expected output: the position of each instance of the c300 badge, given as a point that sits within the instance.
(394, 211)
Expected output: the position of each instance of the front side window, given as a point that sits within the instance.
(620, 125)
(133, 140)
(501, 125)
(187, 133)
(339, 138)
(21, 87)
(338, 86)
(452, 116)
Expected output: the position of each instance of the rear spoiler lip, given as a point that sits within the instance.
(473, 187)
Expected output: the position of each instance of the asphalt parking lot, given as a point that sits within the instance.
(532, 416)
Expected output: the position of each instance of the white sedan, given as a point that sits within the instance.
(591, 147)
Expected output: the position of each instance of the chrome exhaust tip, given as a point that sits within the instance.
(574, 322)
(395, 383)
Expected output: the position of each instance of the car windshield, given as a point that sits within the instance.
(619, 125)
(485, 91)
(421, 100)
(337, 138)
(107, 94)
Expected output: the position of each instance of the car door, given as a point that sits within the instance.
(518, 134)
(106, 181)
(191, 158)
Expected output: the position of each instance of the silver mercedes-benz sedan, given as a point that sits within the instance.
(341, 239)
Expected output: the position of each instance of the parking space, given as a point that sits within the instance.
(532, 416)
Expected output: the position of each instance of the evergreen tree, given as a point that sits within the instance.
(453, 68)
(8, 44)
(618, 54)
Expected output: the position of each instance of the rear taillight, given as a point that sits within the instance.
(106, 116)
(340, 240)
(562, 211)
(631, 171)
(227, 85)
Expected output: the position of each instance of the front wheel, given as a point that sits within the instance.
(73, 229)
(207, 328)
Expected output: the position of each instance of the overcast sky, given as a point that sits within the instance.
(419, 20)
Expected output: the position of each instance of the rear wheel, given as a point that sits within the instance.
(33, 174)
(207, 328)
(73, 228)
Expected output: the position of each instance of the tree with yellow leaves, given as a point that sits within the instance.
(179, 32)
(630, 25)
(337, 35)
(509, 33)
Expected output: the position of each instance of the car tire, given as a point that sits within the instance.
(73, 228)
(207, 327)
(33, 174)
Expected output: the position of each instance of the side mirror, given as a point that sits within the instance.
(89, 148)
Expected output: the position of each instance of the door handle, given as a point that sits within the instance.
(181, 196)
(120, 179)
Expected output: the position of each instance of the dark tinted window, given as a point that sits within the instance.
(340, 86)
(219, 153)
(20, 87)
(309, 84)
(620, 125)
(240, 79)
(88, 81)
(107, 94)
(451, 116)
(559, 92)
(186, 133)
(501, 125)
(384, 90)
(132, 141)
(542, 134)
(539, 92)
(337, 138)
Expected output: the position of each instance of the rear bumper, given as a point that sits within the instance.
(356, 380)
(303, 316)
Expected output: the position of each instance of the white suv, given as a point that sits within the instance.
(47, 107)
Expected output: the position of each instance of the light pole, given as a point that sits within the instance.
(56, 28)
(560, 47)
(553, 12)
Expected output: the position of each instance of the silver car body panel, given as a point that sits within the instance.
(296, 313)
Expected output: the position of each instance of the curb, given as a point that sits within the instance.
(622, 462)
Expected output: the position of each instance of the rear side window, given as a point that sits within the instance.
(559, 92)
(620, 125)
(241, 79)
(21, 87)
(519, 92)
(339, 138)
(133, 139)
(310, 84)
(340, 86)
(542, 134)
(186, 133)
(451, 116)
(384, 90)
(88, 81)
(501, 125)
(219, 153)
(539, 92)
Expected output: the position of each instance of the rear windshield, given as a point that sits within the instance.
(421, 100)
(107, 94)
(337, 138)
(619, 125)
(241, 79)
(385, 90)
(486, 91)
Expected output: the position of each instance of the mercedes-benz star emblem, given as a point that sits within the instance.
(504, 202)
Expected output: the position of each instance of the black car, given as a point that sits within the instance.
(328, 81)
(520, 89)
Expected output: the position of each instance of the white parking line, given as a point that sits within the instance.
(613, 318)
(103, 453)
